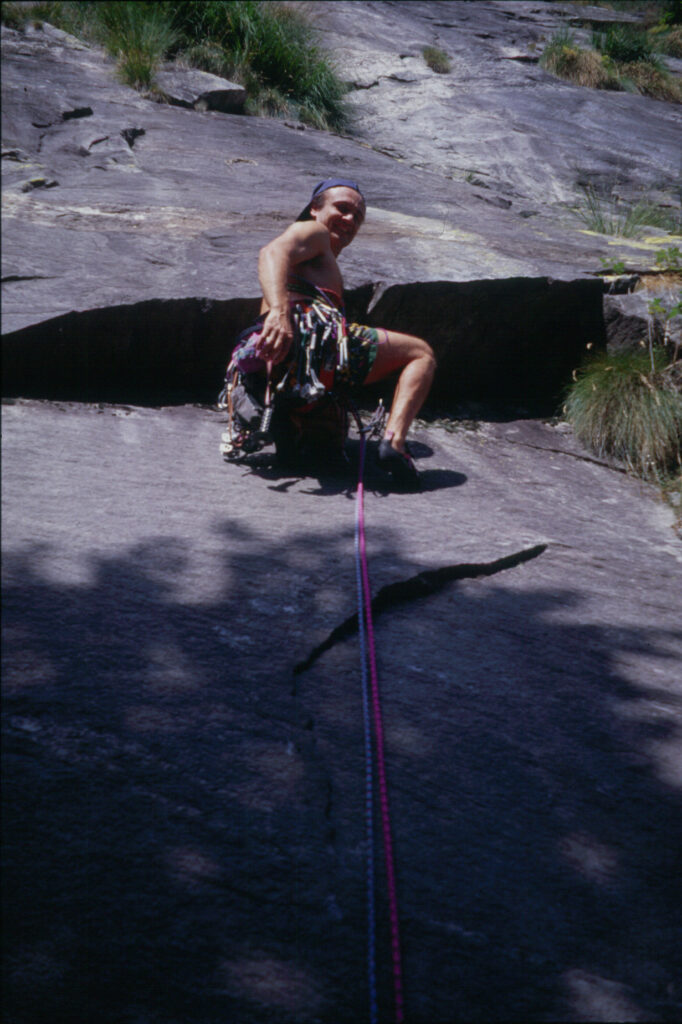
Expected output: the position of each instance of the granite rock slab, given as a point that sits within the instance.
(189, 87)
(183, 763)
(184, 830)
(159, 202)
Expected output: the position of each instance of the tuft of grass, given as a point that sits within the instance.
(13, 15)
(650, 79)
(609, 216)
(18, 15)
(437, 60)
(669, 259)
(138, 35)
(627, 63)
(619, 407)
(564, 58)
(670, 42)
(268, 47)
(625, 44)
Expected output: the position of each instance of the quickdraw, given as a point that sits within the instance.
(318, 363)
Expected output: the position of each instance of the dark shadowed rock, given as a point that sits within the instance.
(184, 836)
(153, 352)
(630, 319)
(514, 342)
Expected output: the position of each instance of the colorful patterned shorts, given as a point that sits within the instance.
(351, 363)
(363, 343)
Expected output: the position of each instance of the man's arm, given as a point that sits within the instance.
(299, 243)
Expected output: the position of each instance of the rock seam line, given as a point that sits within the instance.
(572, 455)
(425, 583)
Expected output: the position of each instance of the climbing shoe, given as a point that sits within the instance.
(400, 465)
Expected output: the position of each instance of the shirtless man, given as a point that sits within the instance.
(307, 252)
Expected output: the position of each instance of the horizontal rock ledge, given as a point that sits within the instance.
(512, 341)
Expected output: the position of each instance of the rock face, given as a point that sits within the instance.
(183, 764)
(189, 87)
(512, 342)
(497, 120)
(469, 175)
(184, 818)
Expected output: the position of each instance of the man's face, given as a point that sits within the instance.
(342, 213)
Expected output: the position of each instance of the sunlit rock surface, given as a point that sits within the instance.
(468, 175)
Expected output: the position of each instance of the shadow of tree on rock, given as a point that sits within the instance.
(184, 839)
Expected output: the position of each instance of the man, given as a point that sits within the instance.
(305, 257)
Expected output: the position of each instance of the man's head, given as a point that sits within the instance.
(339, 205)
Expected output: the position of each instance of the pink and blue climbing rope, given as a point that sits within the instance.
(373, 704)
(369, 789)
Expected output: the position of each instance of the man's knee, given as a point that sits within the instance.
(397, 351)
(419, 348)
(426, 353)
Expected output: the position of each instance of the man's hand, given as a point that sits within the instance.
(277, 335)
(301, 242)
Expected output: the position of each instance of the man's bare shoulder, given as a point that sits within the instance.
(305, 230)
(302, 241)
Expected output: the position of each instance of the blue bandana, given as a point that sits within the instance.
(322, 187)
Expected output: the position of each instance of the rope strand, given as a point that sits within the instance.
(381, 763)
(369, 796)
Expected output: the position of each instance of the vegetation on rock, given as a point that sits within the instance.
(628, 404)
(671, 42)
(669, 259)
(619, 406)
(138, 35)
(609, 215)
(437, 60)
(624, 58)
(564, 58)
(267, 47)
(624, 44)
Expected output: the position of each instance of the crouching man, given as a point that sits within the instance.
(302, 264)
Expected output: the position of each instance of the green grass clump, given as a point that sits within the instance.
(619, 407)
(625, 44)
(18, 15)
(267, 47)
(669, 259)
(670, 42)
(137, 34)
(624, 60)
(437, 60)
(270, 49)
(563, 57)
(13, 16)
(609, 216)
(649, 79)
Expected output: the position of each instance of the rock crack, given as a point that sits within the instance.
(425, 583)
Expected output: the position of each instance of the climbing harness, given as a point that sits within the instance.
(311, 379)
(372, 717)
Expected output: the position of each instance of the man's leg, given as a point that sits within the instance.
(414, 357)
